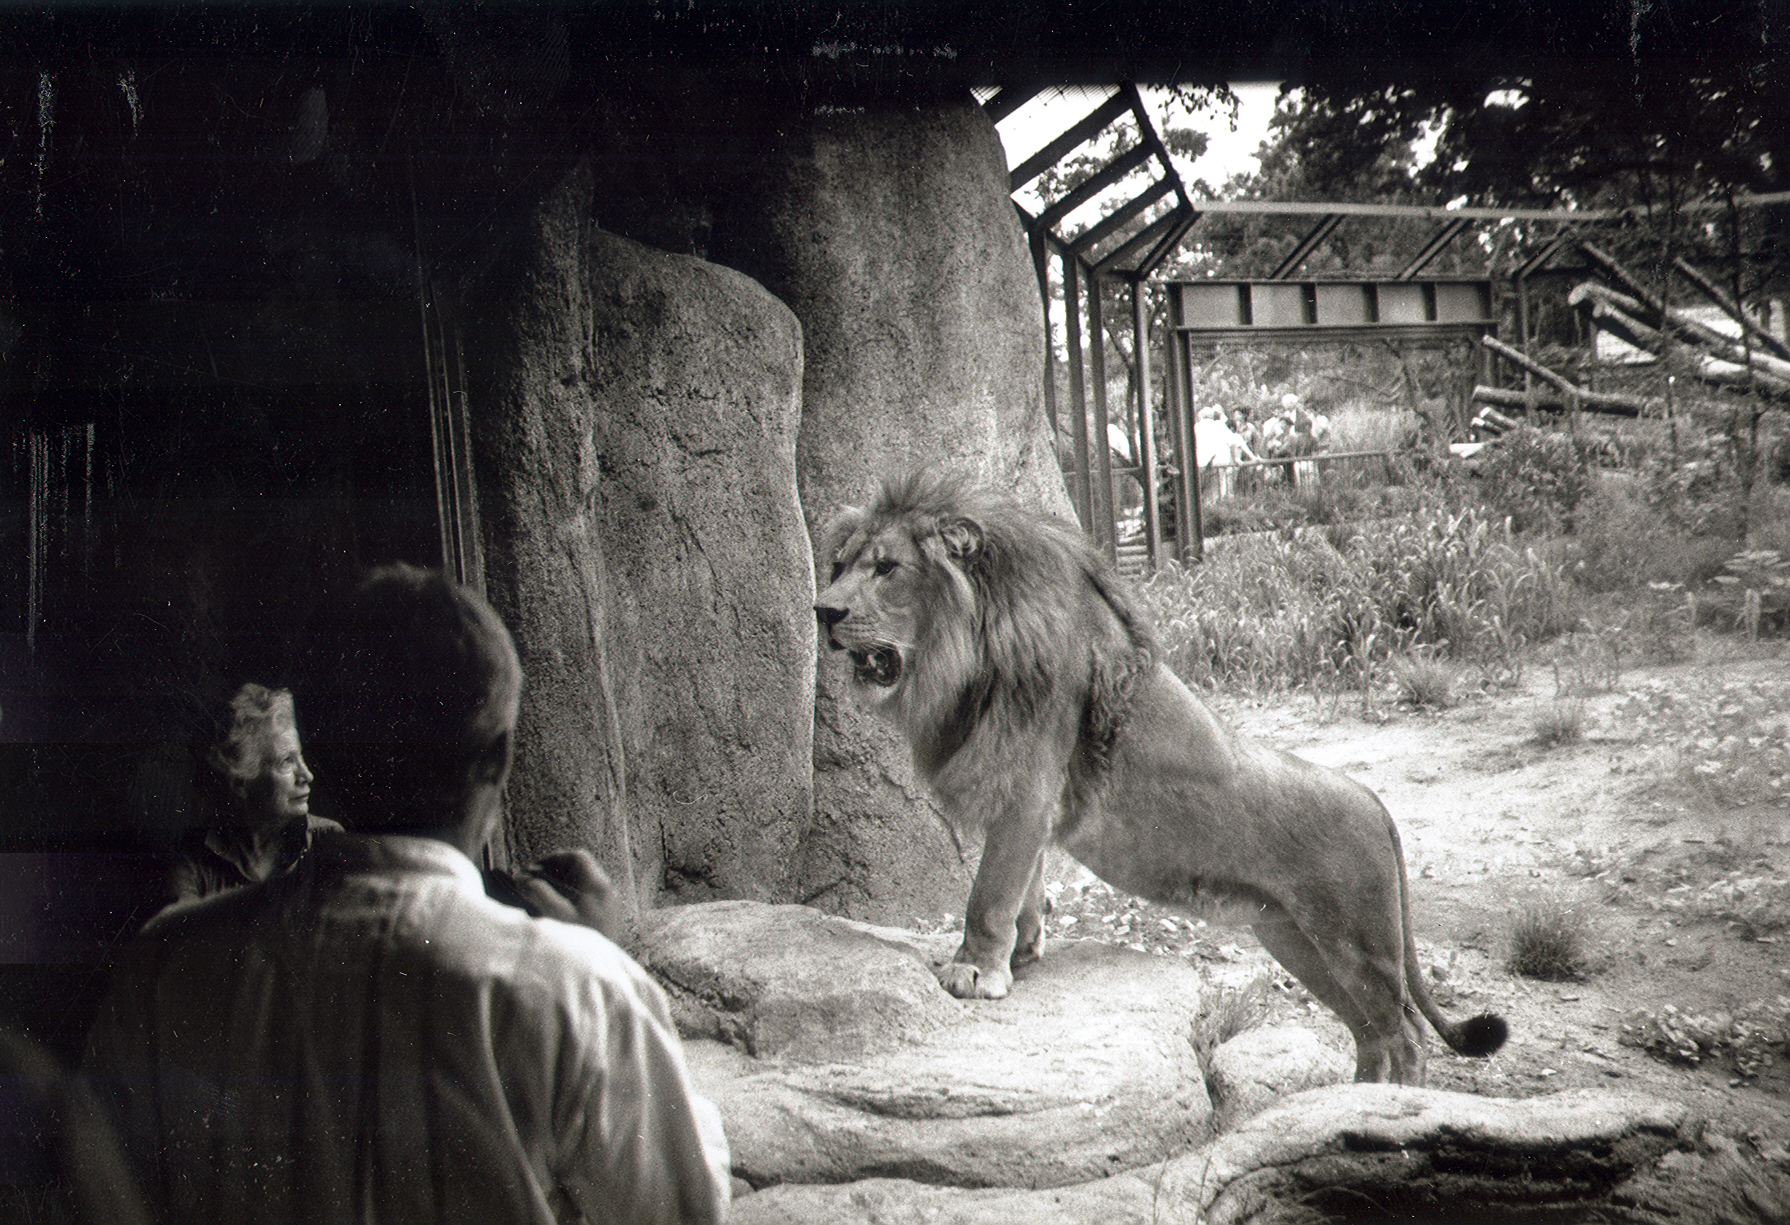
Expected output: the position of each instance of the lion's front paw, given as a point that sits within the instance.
(970, 982)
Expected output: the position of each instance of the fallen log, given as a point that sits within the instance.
(1600, 401)
(1684, 327)
(1703, 366)
(1717, 295)
(1554, 402)
(1490, 418)
(1497, 419)
(1619, 273)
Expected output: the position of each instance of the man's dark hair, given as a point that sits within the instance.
(409, 695)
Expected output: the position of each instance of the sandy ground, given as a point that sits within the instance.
(1663, 829)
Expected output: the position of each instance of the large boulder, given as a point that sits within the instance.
(1124, 1199)
(634, 425)
(834, 1055)
(1259, 1067)
(1427, 1154)
(886, 225)
(1364, 1152)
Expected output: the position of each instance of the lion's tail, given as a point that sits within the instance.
(1477, 1036)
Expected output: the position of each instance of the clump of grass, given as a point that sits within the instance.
(1426, 681)
(1236, 1010)
(1562, 723)
(1551, 547)
(1547, 941)
(1588, 658)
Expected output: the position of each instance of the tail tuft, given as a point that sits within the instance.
(1479, 1036)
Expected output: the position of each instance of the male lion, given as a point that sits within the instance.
(1038, 707)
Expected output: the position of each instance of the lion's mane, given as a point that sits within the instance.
(1019, 613)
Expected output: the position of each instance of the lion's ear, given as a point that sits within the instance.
(962, 537)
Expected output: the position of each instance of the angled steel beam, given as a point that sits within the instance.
(1432, 248)
(1154, 139)
(1052, 153)
(1188, 218)
(1113, 221)
(1542, 256)
(1307, 245)
(1148, 234)
(1117, 169)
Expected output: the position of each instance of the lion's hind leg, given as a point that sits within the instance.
(1389, 1046)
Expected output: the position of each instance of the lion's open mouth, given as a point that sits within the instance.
(879, 666)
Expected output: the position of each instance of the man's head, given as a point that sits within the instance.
(410, 700)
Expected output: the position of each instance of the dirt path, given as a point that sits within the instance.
(1665, 828)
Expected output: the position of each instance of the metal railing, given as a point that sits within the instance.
(1241, 484)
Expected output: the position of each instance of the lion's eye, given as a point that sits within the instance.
(838, 569)
(886, 565)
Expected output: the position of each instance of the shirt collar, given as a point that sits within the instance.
(394, 853)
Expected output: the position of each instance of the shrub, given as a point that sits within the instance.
(1536, 478)
(1755, 591)
(1620, 541)
(1547, 941)
(1697, 491)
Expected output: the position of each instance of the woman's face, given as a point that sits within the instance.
(282, 791)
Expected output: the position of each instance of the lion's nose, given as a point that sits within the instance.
(829, 616)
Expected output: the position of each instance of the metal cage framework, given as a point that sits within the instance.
(1127, 245)
(1139, 232)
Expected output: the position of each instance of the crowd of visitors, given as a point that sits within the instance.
(1283, 445)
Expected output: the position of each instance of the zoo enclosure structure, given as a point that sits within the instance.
(1210, 313)
(1141, 231)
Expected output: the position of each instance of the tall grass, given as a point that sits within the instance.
(1464, 572)
(1371, 427)
(1319, 609)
